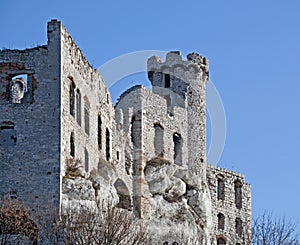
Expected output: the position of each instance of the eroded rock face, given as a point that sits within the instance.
(78, 189)
(180, 202)
(199, 201)
(90, 189)
(188, 177)
(174, 222)
(77, 192)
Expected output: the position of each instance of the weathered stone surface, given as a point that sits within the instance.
(188, 177)
(225, 200)
(173, 221)
(78, 189)
(199, 201)
(176, 192)
(158, 179)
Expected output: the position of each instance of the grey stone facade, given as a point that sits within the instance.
(147, 154)
(231, 205)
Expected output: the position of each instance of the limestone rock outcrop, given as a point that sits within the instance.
(179, 200)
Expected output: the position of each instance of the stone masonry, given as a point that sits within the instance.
(146, 154)
(231, 206)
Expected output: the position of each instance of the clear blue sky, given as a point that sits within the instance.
(254, 53)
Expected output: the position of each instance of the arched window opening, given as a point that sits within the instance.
(78, 107)
(221, 241)
(238, 226)
(107, 148)
(177, 140)
(99, 132)
(158, 140)
(135, 130)
(221, 221)
(123, 194)
(238, 194)
(72, 145)
(72, 98)
(8, 135)
(220, 188)
(86, 160)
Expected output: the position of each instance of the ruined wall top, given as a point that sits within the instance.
(216, 169)
(174, 64)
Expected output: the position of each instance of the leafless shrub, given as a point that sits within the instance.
(16, 226)
(50, 231)
(110, 225)
(75, 225)
(157, 162)
(269, 230)
(73, 167)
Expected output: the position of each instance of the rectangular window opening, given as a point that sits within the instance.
(167, 81)
(86, 121)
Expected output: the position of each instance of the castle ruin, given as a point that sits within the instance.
(146, 154)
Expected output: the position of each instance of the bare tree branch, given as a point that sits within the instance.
(269, 230)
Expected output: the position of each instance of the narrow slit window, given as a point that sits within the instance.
(86, 120)
(177, 140)
(220, 188)
(158, 140)
(167, 81)
(72, 145)
(238, 194)
(72, 98)
(221, 221)
(86, 160)
(107, 136)
(99, 132)
(168, 99)
(78, 107)
(238, 226)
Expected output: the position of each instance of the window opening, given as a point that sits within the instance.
(158, 140)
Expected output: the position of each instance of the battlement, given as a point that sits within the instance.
(175, 65)
(212, 168)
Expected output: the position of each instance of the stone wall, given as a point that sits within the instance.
(88, 119)
(231, 206)
(30, 125)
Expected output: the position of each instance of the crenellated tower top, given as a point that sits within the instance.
(194, 67)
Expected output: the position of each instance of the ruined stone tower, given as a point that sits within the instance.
(182, 83)
(146, 154)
